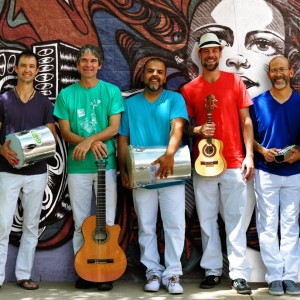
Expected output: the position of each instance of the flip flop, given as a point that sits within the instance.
(26, 284)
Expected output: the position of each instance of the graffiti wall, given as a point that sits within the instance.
(129, 32)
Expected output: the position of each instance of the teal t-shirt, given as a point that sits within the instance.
(149, 123)
(88, 112)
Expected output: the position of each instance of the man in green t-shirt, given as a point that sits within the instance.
(89, 113)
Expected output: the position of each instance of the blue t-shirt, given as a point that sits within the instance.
(149, 123)
(276, 126)
(17, 116)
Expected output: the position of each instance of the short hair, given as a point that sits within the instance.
(279, 56)
(88, 48)
(154, 59)
(27, 53)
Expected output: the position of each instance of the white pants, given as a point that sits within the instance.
(230, 191)
(81, 187)
(171, 201)
(33, 188)
(278, 197)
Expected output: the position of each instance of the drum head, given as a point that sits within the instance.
(131, 167)
(16, 146)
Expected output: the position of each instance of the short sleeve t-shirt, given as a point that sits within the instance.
(88, 112)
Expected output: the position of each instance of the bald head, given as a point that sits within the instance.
(281, 60)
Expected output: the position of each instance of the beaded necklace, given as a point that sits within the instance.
(30, 97)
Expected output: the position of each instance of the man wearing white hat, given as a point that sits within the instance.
(223, 98)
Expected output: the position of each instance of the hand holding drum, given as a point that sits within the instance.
(32, 145)
(142, 173)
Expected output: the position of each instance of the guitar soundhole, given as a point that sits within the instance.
(101, 237)
(209, 150)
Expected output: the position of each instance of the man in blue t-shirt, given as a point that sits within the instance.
(156, 117)
(22, 108)
(276, 120)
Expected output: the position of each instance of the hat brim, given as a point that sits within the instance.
(210, 46)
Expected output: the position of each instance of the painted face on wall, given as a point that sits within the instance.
(252, 31)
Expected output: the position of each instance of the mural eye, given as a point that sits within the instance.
(177, 37)
(265, 47)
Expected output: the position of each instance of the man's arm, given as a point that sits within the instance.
(248, 136)
(123, 143)
(51, 126)
(205, 130)
(83, 145)
(9, 155)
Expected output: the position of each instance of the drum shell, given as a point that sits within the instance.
(142, 173)
(32, 145)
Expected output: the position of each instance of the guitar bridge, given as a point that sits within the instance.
(100, 261)
(209, 163)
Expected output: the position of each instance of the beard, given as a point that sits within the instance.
(282, 85)
(211, 67)
(153, 87)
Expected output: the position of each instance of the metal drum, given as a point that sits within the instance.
(32, 145)
(142, 173)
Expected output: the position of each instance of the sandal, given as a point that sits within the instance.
(27, 284)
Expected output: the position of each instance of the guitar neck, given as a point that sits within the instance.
(209, 121)
(101, 199)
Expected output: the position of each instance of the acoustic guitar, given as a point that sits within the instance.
(210, 161)
(100, 259)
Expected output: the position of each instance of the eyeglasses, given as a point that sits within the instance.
(280, 70)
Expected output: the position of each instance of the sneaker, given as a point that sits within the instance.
(210, 282)
(173, 286)
(241, 286)
(276, 288)
(153, 284)
(105, 286)
(83, 284)
(291, 287)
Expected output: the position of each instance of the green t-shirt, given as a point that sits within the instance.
(88, 112)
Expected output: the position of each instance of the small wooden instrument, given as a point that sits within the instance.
(210, 161)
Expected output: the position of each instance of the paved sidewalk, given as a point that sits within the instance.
(131, 290)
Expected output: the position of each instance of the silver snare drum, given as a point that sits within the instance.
(142, 173)
(32, 145)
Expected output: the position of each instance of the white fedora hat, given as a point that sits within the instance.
(209, 40)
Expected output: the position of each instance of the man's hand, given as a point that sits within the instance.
(208, 130)
(125, 180)
(294, 157)
(8, 154)
(99, 150)
(81, 149)
(247, 168)
(269, 154)
(166, 165)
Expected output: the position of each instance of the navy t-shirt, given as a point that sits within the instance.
(17, 116)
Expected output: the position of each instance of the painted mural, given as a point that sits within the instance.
(129, 32)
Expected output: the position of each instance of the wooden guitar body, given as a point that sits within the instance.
(100, 259)
(210, 161)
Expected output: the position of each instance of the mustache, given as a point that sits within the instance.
(279, 77)
(154, 78)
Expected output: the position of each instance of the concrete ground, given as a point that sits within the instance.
(133, 290)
